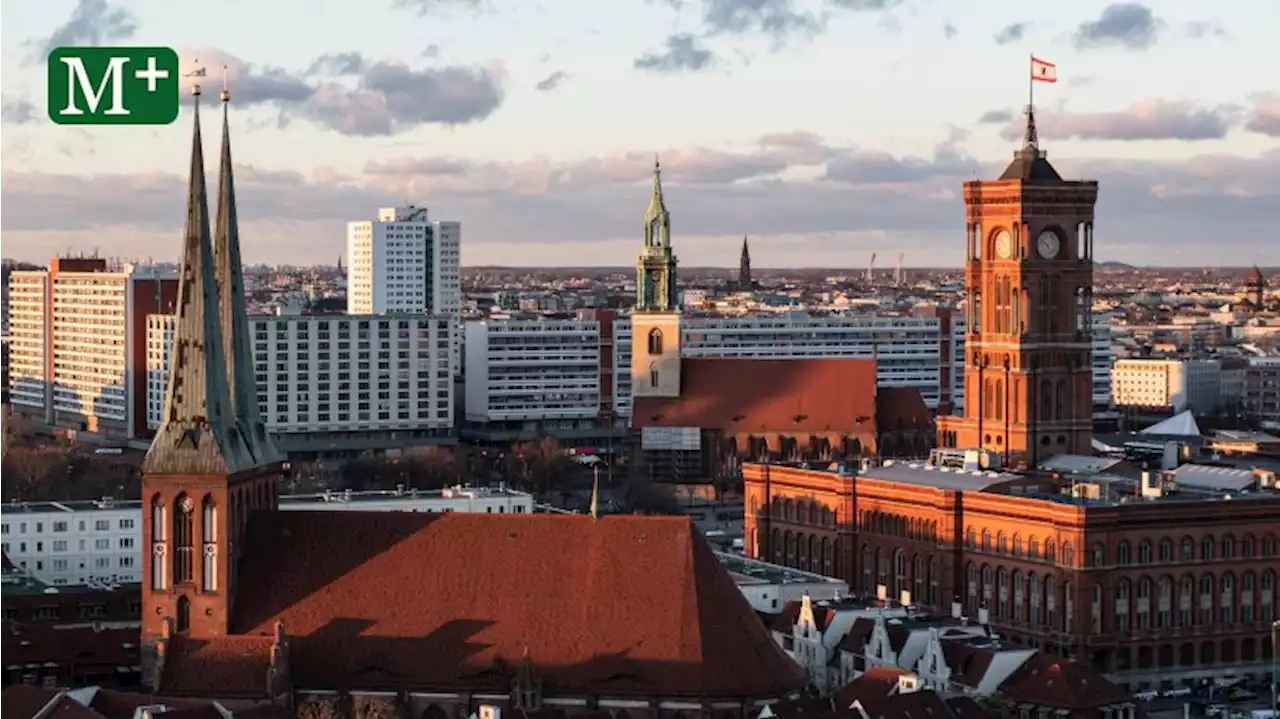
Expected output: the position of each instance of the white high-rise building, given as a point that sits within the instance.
(327, 382)
(403, 262)
(77, 344)
(1103, 357)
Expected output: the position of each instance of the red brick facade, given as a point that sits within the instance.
(1141, 587)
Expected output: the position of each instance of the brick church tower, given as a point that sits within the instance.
(1029, 296)
(212, 461)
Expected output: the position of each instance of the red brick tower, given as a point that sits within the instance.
(208, 466)
(1029, 291)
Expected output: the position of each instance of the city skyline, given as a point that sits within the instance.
(558, 111)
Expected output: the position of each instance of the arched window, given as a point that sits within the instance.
(183, 620)
(655, 341)
(158, 548)
(653, 375)
(999, 399)
(1046, 399)
(209, 538)
(1060, 403)
(183, 550)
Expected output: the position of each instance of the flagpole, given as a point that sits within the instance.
(1031, 83)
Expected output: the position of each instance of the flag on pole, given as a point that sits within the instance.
(1042, 71)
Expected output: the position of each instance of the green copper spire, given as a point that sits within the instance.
(656, 269)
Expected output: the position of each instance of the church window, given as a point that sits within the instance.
(999, 399)
(182, 539)
(655, 341)
(157, 544)
(183, 620)
(209, 537)
(653, 375)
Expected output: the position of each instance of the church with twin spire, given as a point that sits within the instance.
(436, 613)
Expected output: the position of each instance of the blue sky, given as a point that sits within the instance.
(824, 129)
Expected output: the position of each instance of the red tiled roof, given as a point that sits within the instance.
(219, 667)
(877, 691)
(746, 395)
(621, 605)
(1047, 680)
(115, 704)
(21, 701)
(81, 647)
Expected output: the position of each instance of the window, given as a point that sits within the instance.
(655, 341)
(183, 550)
(209, 536)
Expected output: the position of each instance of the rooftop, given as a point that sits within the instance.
(378, 495)
(745, 570)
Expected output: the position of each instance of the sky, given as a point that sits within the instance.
(825, 130)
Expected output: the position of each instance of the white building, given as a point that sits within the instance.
(908, 350)
(527, 370)
(565, 373)
(1149, 384)
(1102, 359)
(337, 374)
(76, 353)
(66, 543)
(403, 262)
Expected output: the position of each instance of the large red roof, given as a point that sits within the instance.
(619, 605)
(745, 395)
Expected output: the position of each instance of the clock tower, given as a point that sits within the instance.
(655, 319)
(1028, 383)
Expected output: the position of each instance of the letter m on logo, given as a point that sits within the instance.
(113, 86)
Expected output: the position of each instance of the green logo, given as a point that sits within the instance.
(113, 86)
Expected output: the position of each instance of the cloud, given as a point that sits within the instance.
(996, 116)
(950, 30)
(92, 22)
(429, 7)
(1202, 29)
(1264, 116)
(824, 203)
(1145, 120)
(18, 112)
(336, 64)
(681, 52)
(552, 81)
(1012, 33)
(359, 96)
(1127, 25)
(778, 20)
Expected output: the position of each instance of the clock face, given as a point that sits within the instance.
(1004, 245)
(1048, 244)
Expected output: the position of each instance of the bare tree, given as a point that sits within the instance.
(319, 708)
(375, 708)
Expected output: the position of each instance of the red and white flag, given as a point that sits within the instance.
(1042, 71)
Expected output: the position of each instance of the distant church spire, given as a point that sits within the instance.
(232, 307)
(198, 434)
(744, 267)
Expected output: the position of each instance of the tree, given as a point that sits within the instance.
(319, 708)
(645, 497)
(542, 466)
(363, 707)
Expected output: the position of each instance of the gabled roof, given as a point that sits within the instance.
(198, 434)
(795, 395)
(1047, 680)
(226, 666)
(623, 605)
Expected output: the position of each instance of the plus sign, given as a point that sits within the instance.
(151, 74)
